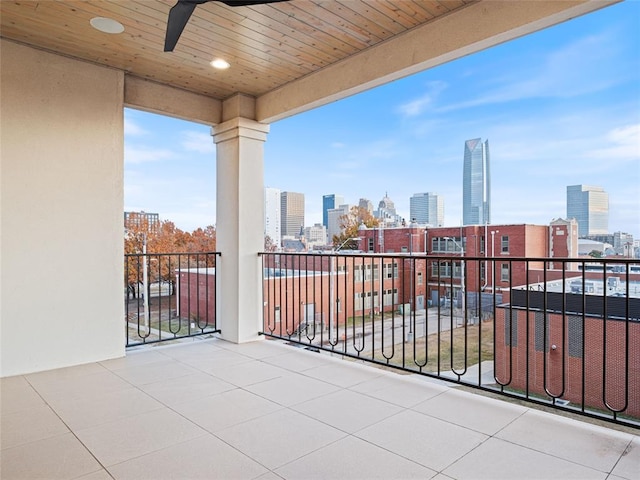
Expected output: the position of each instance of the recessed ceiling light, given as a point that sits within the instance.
(106, 25)
(220, 64)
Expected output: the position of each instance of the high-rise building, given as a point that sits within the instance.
(427, 209)
(387, 214)
(272, 222)
(589, 205)
(335, 221)
(365, 204)
(291, 214)
(476, 183)
(329, 202)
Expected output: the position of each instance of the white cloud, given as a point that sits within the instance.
(589, 64)
(338, 145)
(132, 128)
(418, 105)
(622, 143)
(197, 142)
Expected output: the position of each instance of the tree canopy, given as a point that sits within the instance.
(161, 239)
(350, 223)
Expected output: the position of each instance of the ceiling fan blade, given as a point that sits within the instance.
(180, 14)
(245, 3)
(178, 17)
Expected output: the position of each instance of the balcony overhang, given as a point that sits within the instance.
(276, 56)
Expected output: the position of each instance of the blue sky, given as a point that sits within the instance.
(559, 107)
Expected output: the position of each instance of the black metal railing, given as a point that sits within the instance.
(169, 296)
(558, 332)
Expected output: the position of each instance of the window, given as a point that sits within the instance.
(370, 244)
(511, 328)
(483, 273)
(504, 272)
(541, 328)
(448, 244)
(575, 336)
(504, 248)
(389, 271)
(404, 249)
(363, 272)
(390, 297)
(357, 273)
(362, 300)
(457, 269)
(482, 244)
(419, 278)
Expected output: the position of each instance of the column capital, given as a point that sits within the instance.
(239, 127)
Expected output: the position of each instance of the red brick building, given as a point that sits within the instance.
(571, 348)
(492, 254)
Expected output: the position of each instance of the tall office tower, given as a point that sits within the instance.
(427, 209)
(291, 214)
(329, 202)
(476, 183)
(589, 205)
(272, 222)
(365, 204)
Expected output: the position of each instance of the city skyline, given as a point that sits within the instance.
(561, 107)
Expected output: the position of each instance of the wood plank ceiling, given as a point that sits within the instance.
(267, 46)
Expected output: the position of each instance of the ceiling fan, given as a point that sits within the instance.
(181, 12)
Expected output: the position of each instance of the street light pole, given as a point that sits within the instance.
(334, 271)
(493, 259)
(411, 293)
(145, 285)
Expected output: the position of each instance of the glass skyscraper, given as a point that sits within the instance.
(427, 209)
(476, 183)
(329, 202)
(589, 205)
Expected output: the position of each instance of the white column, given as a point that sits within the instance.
(239, 226)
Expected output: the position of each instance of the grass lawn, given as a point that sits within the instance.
(455, 348)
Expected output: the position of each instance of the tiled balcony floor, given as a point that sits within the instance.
(210, 409)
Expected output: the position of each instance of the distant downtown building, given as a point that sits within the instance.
(137, 220)
(272, 222)
(366, 205)
(427, 209)
(329, 202)
(291, 214)
(589, 205)
(335, 221)
(315, 235)
(476, 183)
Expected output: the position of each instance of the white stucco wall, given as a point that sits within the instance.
(61, 254)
